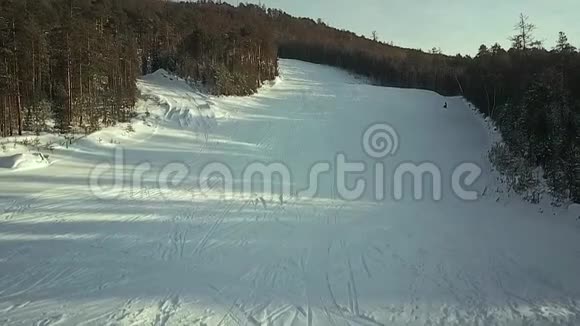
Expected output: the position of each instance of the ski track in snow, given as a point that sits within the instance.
(189, 256)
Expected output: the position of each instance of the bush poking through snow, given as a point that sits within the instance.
(129, 129)
(49, 147)
(68, 140)
(35, 143)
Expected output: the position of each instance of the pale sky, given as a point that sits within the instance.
(456, 26)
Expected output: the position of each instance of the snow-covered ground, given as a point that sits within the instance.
(94, 238)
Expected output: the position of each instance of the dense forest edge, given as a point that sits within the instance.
(71, 66)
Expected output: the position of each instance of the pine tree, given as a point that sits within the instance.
(562, 44)
(483, 51)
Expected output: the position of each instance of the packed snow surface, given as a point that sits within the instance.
(131, 249)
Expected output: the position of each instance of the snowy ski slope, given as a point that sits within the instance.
(78, 252)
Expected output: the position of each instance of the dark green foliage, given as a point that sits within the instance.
(79, 59)
(534, 98)
(230, 50)
(72, 60)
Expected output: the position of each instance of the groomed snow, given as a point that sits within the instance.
(142, 255)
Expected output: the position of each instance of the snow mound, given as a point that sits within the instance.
(180, 104)
(271, 83)
(24, 161)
